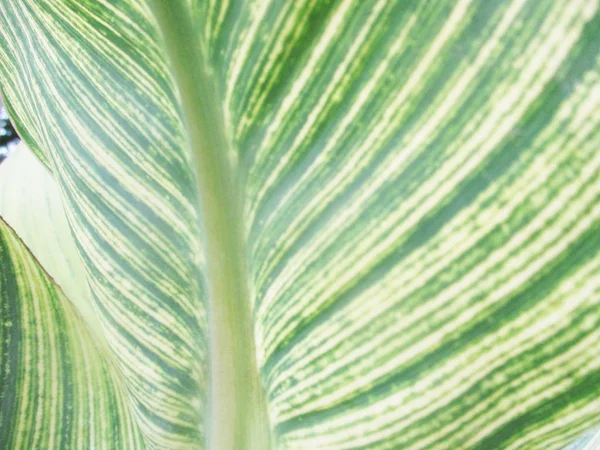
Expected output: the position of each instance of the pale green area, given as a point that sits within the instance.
(237, 410)
(30, 202)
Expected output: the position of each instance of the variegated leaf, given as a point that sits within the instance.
(58, 389)
(423, 213)
(90, 91)
(420, 207)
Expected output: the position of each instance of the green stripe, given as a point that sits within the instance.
(58, 389)
(113, 134)
(421, 208)
(397, 229)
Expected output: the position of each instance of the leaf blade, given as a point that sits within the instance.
(422, 179)
(109, 124)
(58, 389)
(29, 197)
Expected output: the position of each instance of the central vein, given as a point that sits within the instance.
(237, 412)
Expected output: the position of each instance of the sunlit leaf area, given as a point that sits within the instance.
(304, 225)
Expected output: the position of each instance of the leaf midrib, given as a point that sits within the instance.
(237, 410)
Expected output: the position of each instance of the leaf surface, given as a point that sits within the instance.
(92, 93)
(30, 202)
(57, 388)
(423, 218)
(421, 208)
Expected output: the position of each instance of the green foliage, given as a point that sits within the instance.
(312, 224)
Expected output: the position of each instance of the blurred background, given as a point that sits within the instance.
(8, 136)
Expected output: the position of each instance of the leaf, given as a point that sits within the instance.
(108, 125)
(29, 199)
(420, 208)
(57, 389)
(423, 215)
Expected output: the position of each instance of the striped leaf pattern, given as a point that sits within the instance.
(421, 209)
(57, 389)
(91, 93)
(423, 218)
